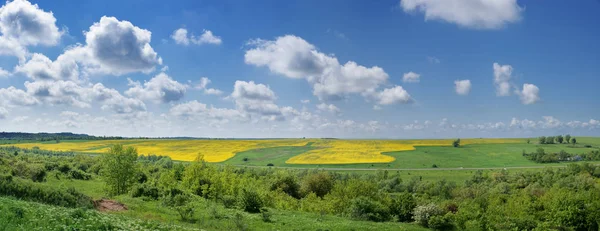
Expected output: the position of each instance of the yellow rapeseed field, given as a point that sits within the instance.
(328, 151)
(185, 150)
(371, 151)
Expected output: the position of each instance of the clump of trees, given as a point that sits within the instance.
(557, 139)
(541, 156)
(456, 143)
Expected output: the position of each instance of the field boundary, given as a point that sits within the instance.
(399, 169)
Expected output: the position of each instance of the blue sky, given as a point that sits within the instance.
(349, 69)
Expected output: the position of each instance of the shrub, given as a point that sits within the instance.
(245, 159)
(24, 190)
(402, 207)
(456, 143)
(319, 183)
(440, 222)
(363, 208)
(251, 201)
(434, 166)
(144, 190)
(288, 185)
(181, 204)
(423, 213)
(270, 165)
(79, 175)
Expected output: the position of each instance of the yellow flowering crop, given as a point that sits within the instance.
(185, 150)
(371, 151)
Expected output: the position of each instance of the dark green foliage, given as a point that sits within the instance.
(440, 222)
(550, 140)
(434, 166)
(542, 140)
(79, 175)
(229, 201)
(540, 156)
(145, 190)
(319, 183)
(250, 201)
(559, 139)
(363, 208)
(270, 164)
(568, 138)
(456, 143)
(573, 140)
(288, 185)
(403, 206)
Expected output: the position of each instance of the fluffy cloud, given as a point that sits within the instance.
(59, 93)
(180, 36)
(255, 99)
(12, 96)
(294, 57)
(477, 14)
(411, 77)
(208, 91)
(24, 24)
(112, 100)
(529, 94)
(28, 24)
(328, 108)
(502, 77)
(112, 47)
(393, 95)
(462, 87)
(118, 47)
(40, 67)
(161, 88)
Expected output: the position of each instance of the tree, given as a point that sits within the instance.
(568, 138)
(559, 139)
(550, 140)
(456, 143)
(573, 141)
(542, 139)
(119, 169)
(319, 183)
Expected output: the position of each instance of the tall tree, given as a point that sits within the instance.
(550, 140)
(559, 139)
(542, 139)
(568, 138)
(119, 169)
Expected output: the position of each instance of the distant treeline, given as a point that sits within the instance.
(52, 136)
(541, 156)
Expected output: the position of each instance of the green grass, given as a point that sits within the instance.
(467, 156)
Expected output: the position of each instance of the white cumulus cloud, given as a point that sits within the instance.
(411, 77)
(161, 88)
(476, 14)
(180, 36)
(462, 87)
(530, 94)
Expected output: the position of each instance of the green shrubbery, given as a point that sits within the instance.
(25, 190)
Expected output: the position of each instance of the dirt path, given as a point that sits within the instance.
(105, 205)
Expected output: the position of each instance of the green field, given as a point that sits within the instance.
(467, 156)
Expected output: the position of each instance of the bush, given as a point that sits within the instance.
(251, 201)
(423, 213)
(270, 165)
(319, 183)
(288, 185)
(402, 207)
(363, 208)
(24, 190)
(439, 222)
(79, 175)
(181, 204)
(144, 190)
